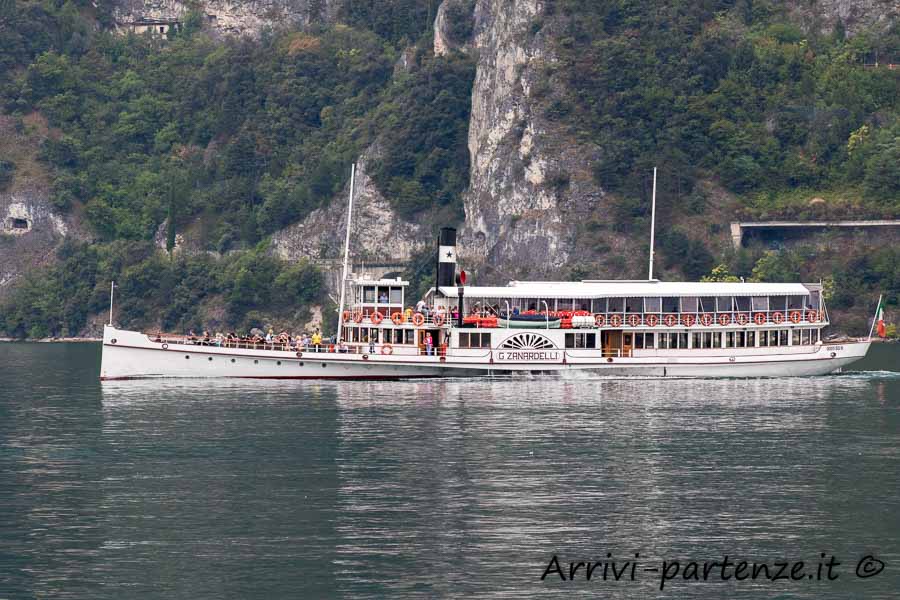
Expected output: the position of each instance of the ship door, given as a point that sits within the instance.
(611, 342)
(435, 338)
(627, 343)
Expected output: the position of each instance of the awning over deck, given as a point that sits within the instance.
(630, 289)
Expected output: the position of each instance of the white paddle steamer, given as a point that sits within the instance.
(617, 328)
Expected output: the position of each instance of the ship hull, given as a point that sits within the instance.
(132, 355)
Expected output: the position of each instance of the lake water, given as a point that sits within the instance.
(442, 488)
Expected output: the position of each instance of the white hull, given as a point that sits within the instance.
(132, 355)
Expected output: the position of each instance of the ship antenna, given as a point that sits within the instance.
(652, 224)
(346, 257)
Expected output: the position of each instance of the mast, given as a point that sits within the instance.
(652, 224)
(346, 257)
(112, 287)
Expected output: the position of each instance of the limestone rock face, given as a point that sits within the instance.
(377, 233)
(242, 17)
(528, 185)
(30, 228)
(856, 15)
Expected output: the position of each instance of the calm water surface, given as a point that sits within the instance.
(440, 488)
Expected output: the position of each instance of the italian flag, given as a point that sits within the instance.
(879, 318)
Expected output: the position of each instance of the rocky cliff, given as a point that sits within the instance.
(227, 16)
(30, 228)
(855, 15)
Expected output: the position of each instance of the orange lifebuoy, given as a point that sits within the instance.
(796, 317)
(376, 317)
(634, 320)
(688, 320)
(651, 320)
(812, 316)
(346, 315)
(599, 320)
(358, 316)
(724, 320)
(438, 319)
(759, 318)
(387, 349)
(778, 318)
(742, 318)
(706, 319)
(615, 321)
(670, 320)
(418, 319)
(396, 318)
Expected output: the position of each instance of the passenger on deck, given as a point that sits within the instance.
(429, 344)
(220, 339)
(371, 345)
(407, 316)
(192, 337)
(455, 313)
(317, 341)
(342, 347)
(420, 307)
(383, 298)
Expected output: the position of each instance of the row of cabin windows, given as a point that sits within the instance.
(687, 304)
(706, 339)
(381, 294)
(735, 339)
(364, 335)
(474, 340)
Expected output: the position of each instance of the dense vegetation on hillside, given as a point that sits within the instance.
(730, 88)
(233, 140)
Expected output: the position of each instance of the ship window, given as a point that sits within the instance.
(717, 339)
(814, 298)
(670, 305)
(795, 337)
(751, 339)
(689, 304)
(804, 337)
(795, 302)
(410, 336)
(396, 295)
(564, 304)
(777, 302)
(759, 303)
(697, 341)
(782, 337)
(682, 339)
(729, 339)
(648, 340)
(724, 304)
(652, 305)
(742, 303)
(369, 294)
(633, 305)
(616, 305)
(475, 340)
(581, 340)
(763, 338)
